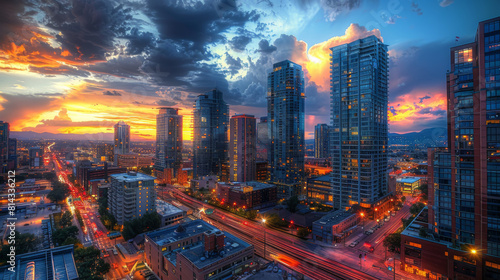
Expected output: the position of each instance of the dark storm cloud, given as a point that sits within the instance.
(333, 8)
(11, 14)
(235, 64)
(264, 47)
(119, 66)
(239, 43)
(180, 55)
(431, 111)
(139, 41)
(87, 28)
(112, 93)
(423, 98)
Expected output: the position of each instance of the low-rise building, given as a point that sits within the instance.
(248, 195)
(319, 189)
(407, 185)
(134, 160)
(55, 263)
(205, 182)
(131, 195)
(334, 226)
(169, 213)
(262, 171)
(196, 250)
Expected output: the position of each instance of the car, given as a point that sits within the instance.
(368, 232)
(352, 245)
(275, 269)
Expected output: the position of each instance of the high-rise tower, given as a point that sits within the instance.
(242, 148)
(359, 122)
(122, 139)
(169, 140)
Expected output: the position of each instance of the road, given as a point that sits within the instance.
(304, 257)
(93, 232)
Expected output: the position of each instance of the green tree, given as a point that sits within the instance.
(89, 263)
(66, 219)
(59, 236)
(393, 241)
(58, 193)
(252, 214)
(25, 242)
(292, 203)
(416, 208)
(302, 232)
(148, 222)
(425, 191)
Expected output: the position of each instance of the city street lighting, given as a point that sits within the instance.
(473, 251)
(263, 223)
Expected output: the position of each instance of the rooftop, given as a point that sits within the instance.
(325, 178)
(166, 209)
(171, 234)
(334, 217)
(410, 180)
(132, 177)
(56, 263)
(254, 184)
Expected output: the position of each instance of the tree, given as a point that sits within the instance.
(148, 222)
(393, 241)
(50, 176)
(66, 219)
(302, 232)
(292, 203)
(416, 208)
(403, 199)
(61, 235)
(25, 242)
(58, 193)
(89, 263)
(252, 214)
(425, 191)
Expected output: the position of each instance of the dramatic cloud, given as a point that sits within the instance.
(264, 47)
(112, 93)
(239, 43)
(333, 8)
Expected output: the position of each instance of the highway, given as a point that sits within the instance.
(303, 257)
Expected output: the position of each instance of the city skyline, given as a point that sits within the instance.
(64, 84)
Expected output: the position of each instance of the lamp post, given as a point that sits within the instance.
(362, 220)
(263, 226)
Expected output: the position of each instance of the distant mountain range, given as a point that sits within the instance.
(430, 137)
(31, 135)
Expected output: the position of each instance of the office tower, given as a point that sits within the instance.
(242, 148)
(122, 138)
(169, 140)
(464, 184)
(211, 120)
(12, 154)
(359, 122)
(4, 146)
(131, 195)
(35, 155)
(285, 114)
(321, 140)
(262, 139)
(105, 151)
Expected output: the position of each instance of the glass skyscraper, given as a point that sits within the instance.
(211, 120)
(321, 141)
(359, 73)
(242, 148)
(122, 139)
(169, 140)
(285, 117)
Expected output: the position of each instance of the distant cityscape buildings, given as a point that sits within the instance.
(322, 141)
(35, 157)
(210, 143)
(285, 114)
(122, 138)
(242, 148)
(463, 215)
(359, 75)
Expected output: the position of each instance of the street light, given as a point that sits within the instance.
(263, 223)
(473, 251)
(362, 219)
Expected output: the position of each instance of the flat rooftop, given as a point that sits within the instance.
(171, 234)
(232, 245)
(254, 184)
(325, 178)
(128, 177)
(56, 263)
(166, 209)
(410, 180)
(333, 217)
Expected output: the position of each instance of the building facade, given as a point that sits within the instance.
(262, 139)
(242, 148)
(319, 189)
(122, 138)
(464, 197)
(359, 122)
(131, 195)
(210, 142)
(285, 116)
(169, 140)
(322, 141)
(4, 146)
(248, 195)
(196, 250)
(36, 157)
